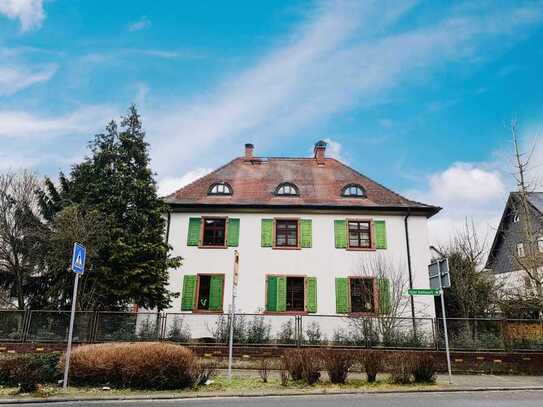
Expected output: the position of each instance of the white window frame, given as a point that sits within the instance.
(520, 250)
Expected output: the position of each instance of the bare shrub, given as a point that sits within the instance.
(143, 365)
(205, 372)
(401, 369)
(264, 369)
(337, 363)
(372, 362)
(424, 368)
(284, 377)
(302, 364)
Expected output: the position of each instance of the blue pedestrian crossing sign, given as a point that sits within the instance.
(78, 258)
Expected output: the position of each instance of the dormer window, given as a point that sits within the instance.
(353, 191)
(287, 189)
(220, 188)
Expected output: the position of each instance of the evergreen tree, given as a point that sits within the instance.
(115, 187)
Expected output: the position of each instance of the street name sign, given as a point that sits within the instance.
(78, 258)
(424, 291)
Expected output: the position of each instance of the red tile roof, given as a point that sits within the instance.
(254, 182)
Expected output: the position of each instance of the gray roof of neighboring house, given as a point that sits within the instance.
(536, 199)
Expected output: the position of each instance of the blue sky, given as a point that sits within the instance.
(414, 94)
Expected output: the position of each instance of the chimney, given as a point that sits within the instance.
(320, 148)
(249, 151)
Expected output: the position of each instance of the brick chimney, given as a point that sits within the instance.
(320, 148)
(249, 151)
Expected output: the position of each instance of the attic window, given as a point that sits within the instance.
(353, 191)
(287, 189)
(220, 188)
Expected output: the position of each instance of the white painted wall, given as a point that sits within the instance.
(322, 261)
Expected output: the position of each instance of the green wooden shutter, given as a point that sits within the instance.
(267, 233)
(311, 294)
(342, 294)
(380, 234)
(306, 232)
(216, 285)
(233, 232)
(385, 300)
(271, 293)
(189, 290)
(281, 293)
(340, 234)
(193, 238)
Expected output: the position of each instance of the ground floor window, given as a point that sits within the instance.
(291, 294)
(362, 293)
(202, 292)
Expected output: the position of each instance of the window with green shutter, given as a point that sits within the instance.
(380, 234)
(216, 287)
(189, 290)
(193, 238)
(266, 233)
(311, 294)
(385, 298)
(306, 232)
(281, 293)
(340, 234)
(233, 232)
(342, 295)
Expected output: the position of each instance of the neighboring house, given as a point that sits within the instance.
(509, 249)
(302, 227)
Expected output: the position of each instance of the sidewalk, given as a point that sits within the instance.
(460, 383)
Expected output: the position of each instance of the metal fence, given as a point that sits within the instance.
(273, 330)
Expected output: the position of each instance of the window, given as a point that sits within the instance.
(353, 191)
(291, 294)
(214, 233)
(286, 233)
(362, 295)
(202, 292)
(540, 244)
(204, 283)
(220, 188)
(287, 189)
(359, 234)
(295, 294)
(520, 250)
(516, 217)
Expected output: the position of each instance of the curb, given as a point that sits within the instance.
(260, 395)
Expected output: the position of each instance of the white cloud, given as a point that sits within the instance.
(169, 185)
(141, 94)
(16, 78)
(142, 24)
(21, 124)
(29, 12)
(347, 54)
(472, 191)
(334, 149)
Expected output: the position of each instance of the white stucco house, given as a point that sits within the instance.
(303, 227)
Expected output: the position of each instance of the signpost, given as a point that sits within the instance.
(232, 313)
(78, 267)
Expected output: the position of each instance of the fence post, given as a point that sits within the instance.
(27, 326)
(434, 334)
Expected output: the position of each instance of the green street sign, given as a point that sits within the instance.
(424, 291)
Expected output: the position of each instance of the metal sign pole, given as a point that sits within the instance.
(70, 334)
(445, 324)
(232, 314)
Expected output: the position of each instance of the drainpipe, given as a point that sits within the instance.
(168, 227)
(409, 268)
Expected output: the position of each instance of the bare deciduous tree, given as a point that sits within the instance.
(20, 234)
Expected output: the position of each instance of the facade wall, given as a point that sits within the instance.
(322, 260)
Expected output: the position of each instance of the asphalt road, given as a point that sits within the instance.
(467, 399)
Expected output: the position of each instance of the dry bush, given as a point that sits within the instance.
(423, 368)
(303, 364)
(337, 363)
(28, 371)
(284, 377)
(205, 372)
(402, 368)
(372, 362)
(149, 365)
(264, 369)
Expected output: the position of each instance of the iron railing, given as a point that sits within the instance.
(273, 329)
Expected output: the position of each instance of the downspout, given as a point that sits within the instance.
(409, 268)
(168, 227)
